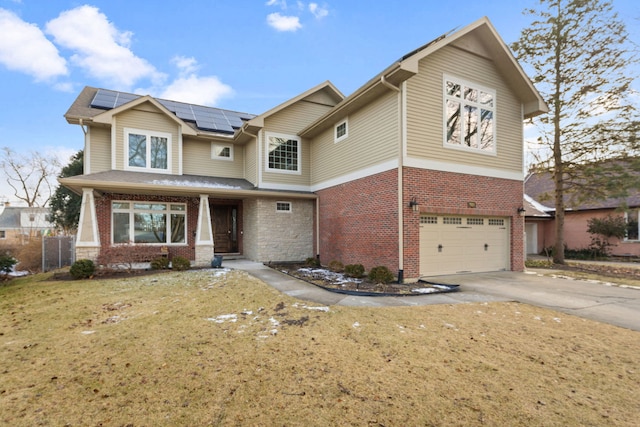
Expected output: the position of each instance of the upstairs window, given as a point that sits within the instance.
(341, 130)
(147, 150)
(283, 153)
(221, 152)
(469, 114)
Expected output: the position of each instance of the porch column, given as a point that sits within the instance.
(204, 234)
(88, 238)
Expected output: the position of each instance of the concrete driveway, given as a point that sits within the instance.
(596, 301)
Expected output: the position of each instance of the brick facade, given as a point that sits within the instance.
(103, 215)
(359, 220)
(450, 193)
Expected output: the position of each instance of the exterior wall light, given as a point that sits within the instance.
(521, 211)
(413, 204)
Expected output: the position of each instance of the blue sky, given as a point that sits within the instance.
(236, 54)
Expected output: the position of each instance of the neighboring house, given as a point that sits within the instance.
(419, 170)
(540, 219)
(19, 223)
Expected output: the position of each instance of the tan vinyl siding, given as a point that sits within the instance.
(373, 138)
(146, 117)
(251, 162)
(425, 111)
(196, 155)
(289, 122)
(99, 149)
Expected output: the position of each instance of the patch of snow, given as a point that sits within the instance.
(356, 325)
(323, 309)
(323, 273)
(429, 290)
(223, 318)
(202, 184)
(88, 332)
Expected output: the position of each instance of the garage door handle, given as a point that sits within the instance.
(439, 248)
(486, 247)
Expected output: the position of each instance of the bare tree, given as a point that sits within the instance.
(30, 175)
(581, 57)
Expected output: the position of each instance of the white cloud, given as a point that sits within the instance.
(23, 47)
(185, 65)
(317, 11)
(283, 23)
(206, 90)
(191, 88)
(101, 49)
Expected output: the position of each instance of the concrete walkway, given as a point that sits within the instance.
(596, 301)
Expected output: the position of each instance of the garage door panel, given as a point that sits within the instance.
(455, 244)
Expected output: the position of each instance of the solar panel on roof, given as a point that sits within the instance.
(206, 118)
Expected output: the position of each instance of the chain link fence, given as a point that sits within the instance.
(57, 252)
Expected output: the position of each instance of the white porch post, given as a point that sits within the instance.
(88, 238)
(204, 234)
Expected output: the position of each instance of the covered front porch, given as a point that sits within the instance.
(194, 217)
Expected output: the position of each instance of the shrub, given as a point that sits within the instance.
(336, 266)
(29, 255)
(82, 269)
(312, 262)
(354, 270)
(160, 263)
(180, 263)
(381, 274)
(7, 262)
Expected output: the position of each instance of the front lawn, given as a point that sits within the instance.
(219, 347)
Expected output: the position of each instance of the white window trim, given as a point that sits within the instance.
(268, 135)
(626, 219)
(215, 145)
(131, 211)
(462, 147)
(148, 134)
(336, 138)
(287, 211)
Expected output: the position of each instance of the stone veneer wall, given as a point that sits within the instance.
(278, 236)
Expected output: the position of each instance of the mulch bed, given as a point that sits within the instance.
(338, 282)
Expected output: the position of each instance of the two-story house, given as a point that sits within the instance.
(20, 223)
(419, 170)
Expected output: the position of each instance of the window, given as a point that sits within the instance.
(147, 150)
(469, 116)
(452, 221)
(3, 234)
(632, 224)
(283, 206)
(148, 222)
(283, 153)
(497, 222)
(221, 152)
(341, 130)
(428, 220)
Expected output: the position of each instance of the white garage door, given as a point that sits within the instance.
(458, 244)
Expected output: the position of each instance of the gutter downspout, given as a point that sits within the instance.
(399, 91)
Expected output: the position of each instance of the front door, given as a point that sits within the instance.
(225, 228)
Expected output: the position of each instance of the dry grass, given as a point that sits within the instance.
(202, 348)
